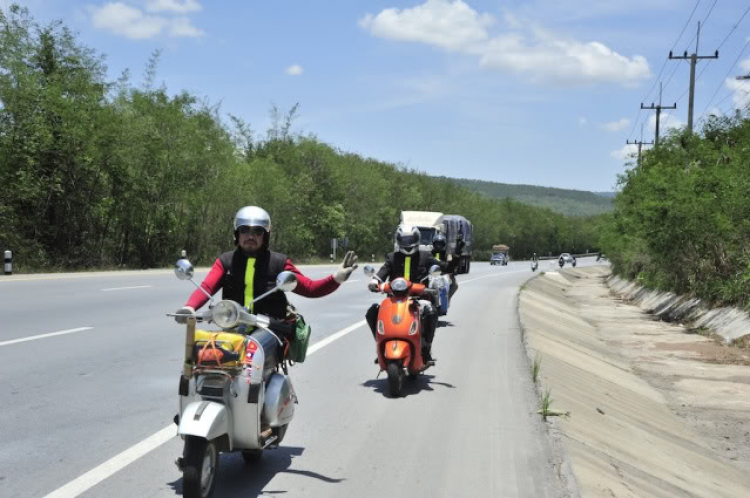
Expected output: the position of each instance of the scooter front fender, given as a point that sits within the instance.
(206, 419)
(397, 350)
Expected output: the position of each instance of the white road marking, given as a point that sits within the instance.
(338, 335)
(488, 276)
(96, 475)
(127, 288)
(43, 336)
(351, 281)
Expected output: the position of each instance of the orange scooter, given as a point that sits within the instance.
(399, 331)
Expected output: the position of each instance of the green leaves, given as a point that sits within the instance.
(681, 220)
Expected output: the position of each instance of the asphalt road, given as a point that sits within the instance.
(90, 365)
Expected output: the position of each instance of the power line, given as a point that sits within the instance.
(703, 23)
(644, 99)
(694, 58)
(721, 83)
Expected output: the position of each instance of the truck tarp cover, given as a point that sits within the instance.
(422, 218)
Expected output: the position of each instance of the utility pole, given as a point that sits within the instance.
(658, 109)
(639, 143)
(693, 60)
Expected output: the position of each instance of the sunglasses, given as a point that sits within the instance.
(257, 231)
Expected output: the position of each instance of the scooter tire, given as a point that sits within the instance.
(395, 380)
(201, 467)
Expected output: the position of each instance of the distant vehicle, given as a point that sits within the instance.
(428, 223)
(457, 227)
(499, 255)
(499, 259)
(567, 257)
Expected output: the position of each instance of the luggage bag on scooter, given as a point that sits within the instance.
(219, 349)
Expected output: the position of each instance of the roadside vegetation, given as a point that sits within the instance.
(100, 173)
(682, 219)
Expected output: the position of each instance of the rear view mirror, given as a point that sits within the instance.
(184, 269)
(369, 271)
(286, 281)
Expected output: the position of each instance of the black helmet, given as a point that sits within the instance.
(439, 242)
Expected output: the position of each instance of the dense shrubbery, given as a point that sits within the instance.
(99, 174)
(682, 220)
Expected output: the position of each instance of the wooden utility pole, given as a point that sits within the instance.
(693, 58)
(658, 109)
(639, 143)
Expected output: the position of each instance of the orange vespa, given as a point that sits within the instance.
(398, 335)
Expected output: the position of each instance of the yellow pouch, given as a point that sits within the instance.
(231, 347)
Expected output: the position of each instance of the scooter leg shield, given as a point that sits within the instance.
(206, 419)
(397, 350)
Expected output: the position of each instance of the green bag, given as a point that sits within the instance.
(298, 346)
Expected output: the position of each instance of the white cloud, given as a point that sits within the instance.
(176, 6)
(183, 27)
(741, 91)
(563, 61)
(629, 151)
(131, 22)
(667, 122)
(745, 65)
(616, 125)
(295, 70)
(582, 121)
(451, 25)
(522, 49)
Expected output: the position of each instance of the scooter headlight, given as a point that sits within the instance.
(381, 327)
(226, 314)
(399, 285)
(413, 328)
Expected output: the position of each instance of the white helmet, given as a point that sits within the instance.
(407, 239)
(252, 216)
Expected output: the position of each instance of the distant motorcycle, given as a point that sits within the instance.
(534, 265)
(561, 262)
(442, 284)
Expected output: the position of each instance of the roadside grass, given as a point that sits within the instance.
(536, 368)
(546, 404)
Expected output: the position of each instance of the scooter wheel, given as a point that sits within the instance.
(395, 380)
(252, 456)
(201, 465)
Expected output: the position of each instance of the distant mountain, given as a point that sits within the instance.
(568, 202)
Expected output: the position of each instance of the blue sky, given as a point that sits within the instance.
(539, 92)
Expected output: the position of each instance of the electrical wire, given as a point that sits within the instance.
(721, 83)
(661, 71)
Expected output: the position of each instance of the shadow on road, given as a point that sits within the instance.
(237, 479)
(422, 382)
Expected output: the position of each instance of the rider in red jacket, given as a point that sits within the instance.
(251, 270)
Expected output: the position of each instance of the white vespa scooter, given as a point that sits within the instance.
(242, 408)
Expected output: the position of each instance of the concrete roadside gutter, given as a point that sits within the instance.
(637, 397)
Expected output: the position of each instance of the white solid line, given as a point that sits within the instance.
(351, 281)
(98, 474)
(127, 288)
(43, 336)
(338, 335)
(488, 276)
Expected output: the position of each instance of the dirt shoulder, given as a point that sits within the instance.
(654, 408)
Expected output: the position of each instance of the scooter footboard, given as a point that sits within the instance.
(206, 419)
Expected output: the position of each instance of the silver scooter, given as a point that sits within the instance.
(247, 408)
